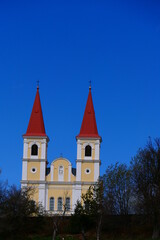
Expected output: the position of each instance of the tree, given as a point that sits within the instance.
(16, 206)
(92, 207)
(80, 220)
(117, 189)
(146, 179)
(58, 216)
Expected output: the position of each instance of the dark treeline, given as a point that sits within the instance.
(125, 190)
(124, 202)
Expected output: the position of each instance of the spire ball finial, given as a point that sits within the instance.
(37, 84)
(89, 84)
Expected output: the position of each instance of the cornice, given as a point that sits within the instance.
(33, 160)
(88, 161)
(57, 183)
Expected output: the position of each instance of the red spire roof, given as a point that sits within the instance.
(36, 123)
(89, 126)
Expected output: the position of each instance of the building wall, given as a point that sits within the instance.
(59, 191)
(31, 175)
(59, 182)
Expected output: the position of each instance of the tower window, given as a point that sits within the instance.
(88, 151)
(34, 150)
(67, 204)
(51, 204)
(59, 204)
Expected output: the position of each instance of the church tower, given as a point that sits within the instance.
(35, 152)
(60, 184)
(88, 148)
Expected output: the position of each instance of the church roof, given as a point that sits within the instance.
(36, 124)
(89, 126)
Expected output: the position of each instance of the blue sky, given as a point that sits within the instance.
(64, 44)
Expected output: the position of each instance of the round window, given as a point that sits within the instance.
(87, 171)
(33, 170)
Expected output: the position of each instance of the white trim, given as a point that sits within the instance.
(69, 173)
(25, 149)
(61, 158)
(79, 149)
(46, 207)
(42, 171)
(43, 148)
(88, 143)
(42, 194)
(76, 195)
(34, 142)
(97, 150)
(78, 174)
(24, 170)
(52, 172)
(60, 175)
(96, 171)
(58, 184)
(87, 157)
(34, 156)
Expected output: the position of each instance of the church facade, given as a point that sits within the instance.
(60, 183)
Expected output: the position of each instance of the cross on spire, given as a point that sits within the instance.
(89, 126)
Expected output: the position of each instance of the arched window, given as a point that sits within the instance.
(88, 151)
(34, 150)
(67, 204)
(59, 204)
(51, 204)
(60, 170)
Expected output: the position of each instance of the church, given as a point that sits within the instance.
(60, 183)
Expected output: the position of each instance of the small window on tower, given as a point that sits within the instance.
(88, 151)
(34, 150)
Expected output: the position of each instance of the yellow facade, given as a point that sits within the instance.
(60, 180)
(31, 175)
(87, 177)
(59, 191)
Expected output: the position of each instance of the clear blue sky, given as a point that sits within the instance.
(64, 44)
